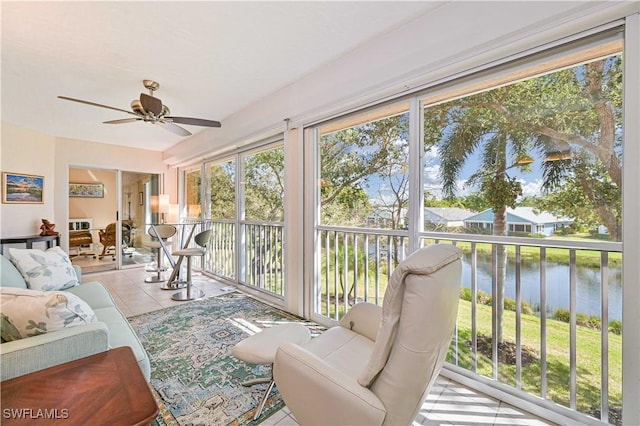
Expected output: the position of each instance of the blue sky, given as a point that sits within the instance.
(531, 181)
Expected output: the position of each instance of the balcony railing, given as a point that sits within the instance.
(560, 324)
(561, 298)
(261, 261)
(263, 256)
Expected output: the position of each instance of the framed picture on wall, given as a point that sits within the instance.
(20, 188)
(86, 190)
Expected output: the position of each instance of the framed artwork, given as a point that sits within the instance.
(141, 198)
(20, 188)
(86, 190)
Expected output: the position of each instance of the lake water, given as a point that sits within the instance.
(587, 286)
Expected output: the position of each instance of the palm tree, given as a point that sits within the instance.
(501, 150)
(570, 118)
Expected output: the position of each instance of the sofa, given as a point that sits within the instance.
(108, 329)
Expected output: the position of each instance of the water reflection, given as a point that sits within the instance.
(557, 280)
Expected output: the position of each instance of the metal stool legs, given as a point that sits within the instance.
(190, 292)
(159, 269)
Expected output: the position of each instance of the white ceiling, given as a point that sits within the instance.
(210, 58)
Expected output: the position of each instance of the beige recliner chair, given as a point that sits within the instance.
(377, 366)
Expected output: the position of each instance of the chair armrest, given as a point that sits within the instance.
(364, 318)
(318, 394)
(35, 353)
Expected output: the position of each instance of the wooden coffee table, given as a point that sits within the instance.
(103, 389)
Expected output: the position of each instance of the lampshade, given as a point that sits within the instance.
(163, 203)
(154, 203)
(174, 213)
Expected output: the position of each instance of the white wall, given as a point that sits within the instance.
(90, 155)
(30, 152)
(25, 151)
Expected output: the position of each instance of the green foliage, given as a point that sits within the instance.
(561, 314)
(570, 118)
(590, 321)
(615, 327)
(584, 320)
(465, 294)
(474, 202)
(484, 298)
(351, 158)
(223, 190)
(501, 191)
(583, 194)
(264, 185)
(510, 305)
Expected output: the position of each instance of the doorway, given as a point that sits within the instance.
(93, 207)
(101, 239)
(137, 189)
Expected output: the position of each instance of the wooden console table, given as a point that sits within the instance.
(103, 389)
(30, 239)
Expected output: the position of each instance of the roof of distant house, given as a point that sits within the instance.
(528, 214)
(451, 213)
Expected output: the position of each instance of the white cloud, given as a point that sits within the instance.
(431, 154)
(431, 175)
(530, 189)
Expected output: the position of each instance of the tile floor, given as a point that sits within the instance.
(448, 403)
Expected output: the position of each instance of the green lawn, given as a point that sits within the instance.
(558, 374)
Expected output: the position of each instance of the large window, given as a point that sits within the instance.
(539, 159)
(247, 216)
(520, 166)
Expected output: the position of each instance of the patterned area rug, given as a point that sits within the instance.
(195, 378)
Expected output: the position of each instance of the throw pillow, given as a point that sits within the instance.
(44, 270)
(26, 313)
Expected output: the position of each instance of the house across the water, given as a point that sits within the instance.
(520, 219)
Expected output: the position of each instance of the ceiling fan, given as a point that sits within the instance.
(151, 110)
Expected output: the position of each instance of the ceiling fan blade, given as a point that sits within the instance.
(95, 104)
(195, 121)
(122, 120)
(151, 104)
(174, 128)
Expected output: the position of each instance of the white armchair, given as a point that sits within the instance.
(378, 364)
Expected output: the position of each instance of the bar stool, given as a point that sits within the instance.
(191, 293)
(157, 233)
